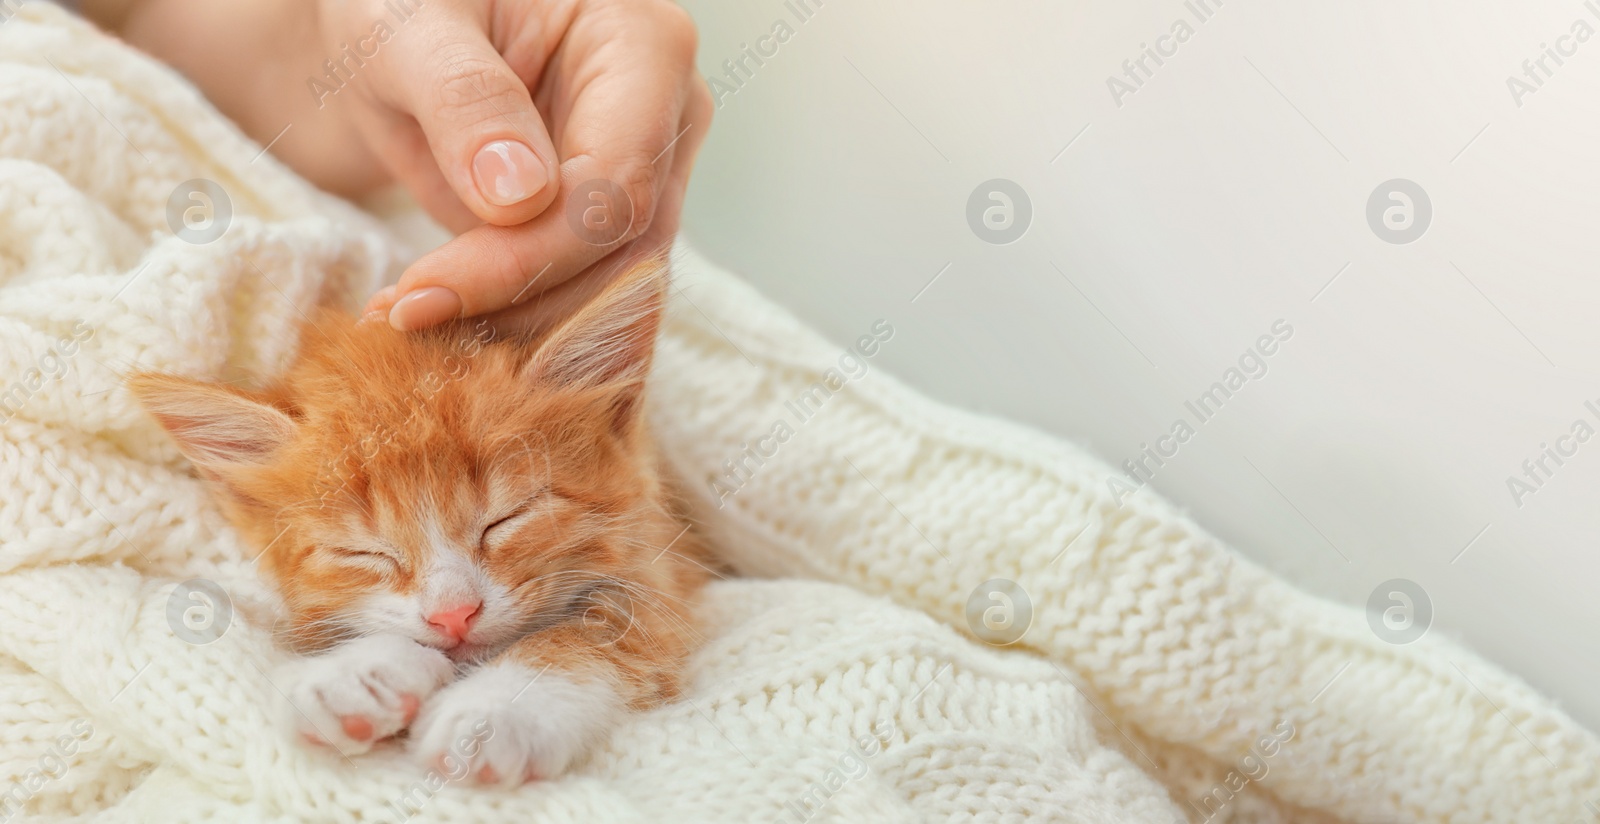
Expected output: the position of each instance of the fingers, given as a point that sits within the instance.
(477, 116)
(540, 308)
(623, 133)
(377, 308)
(545, 309)
(493, 267)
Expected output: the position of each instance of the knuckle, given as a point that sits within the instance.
(700, 107)
(678, 30)
(638, 182)
(474, 87)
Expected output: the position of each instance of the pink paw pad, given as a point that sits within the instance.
(357, 727)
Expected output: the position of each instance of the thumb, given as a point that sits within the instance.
(479, 120)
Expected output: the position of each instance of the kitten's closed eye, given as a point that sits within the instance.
(505, 526)
(374, 560)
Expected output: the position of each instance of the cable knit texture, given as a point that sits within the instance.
(1157, 664)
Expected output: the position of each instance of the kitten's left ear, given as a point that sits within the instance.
(609, 342)
(219, 430)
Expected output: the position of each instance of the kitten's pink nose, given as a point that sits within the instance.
(453, 623)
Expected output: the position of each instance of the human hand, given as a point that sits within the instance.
(609, 130)
(504, 119)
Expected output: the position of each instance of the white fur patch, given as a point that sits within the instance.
(515, 722)
(366, 678)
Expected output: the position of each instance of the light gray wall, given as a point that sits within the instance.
(1229, 191)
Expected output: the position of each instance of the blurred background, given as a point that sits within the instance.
(1082, 215)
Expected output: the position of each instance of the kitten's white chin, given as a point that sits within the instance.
(473, 652)
(468, 653)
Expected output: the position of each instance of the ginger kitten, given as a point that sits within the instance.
(469, 536)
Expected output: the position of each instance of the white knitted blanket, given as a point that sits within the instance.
(1161, 676)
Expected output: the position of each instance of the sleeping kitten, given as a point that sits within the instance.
(469, 536)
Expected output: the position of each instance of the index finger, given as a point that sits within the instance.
(627, 87)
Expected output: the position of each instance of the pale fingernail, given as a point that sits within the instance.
(372, 317)
(508, 172)
(425, 307)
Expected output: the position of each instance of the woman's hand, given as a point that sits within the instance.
(556, 136)
(608, 132)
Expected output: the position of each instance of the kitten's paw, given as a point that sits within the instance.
(361, 692)
(507, 724)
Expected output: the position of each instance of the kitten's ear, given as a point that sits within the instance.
(216, 428)
(610, 340)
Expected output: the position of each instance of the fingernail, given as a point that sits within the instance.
(508, 172)
(423, 308)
